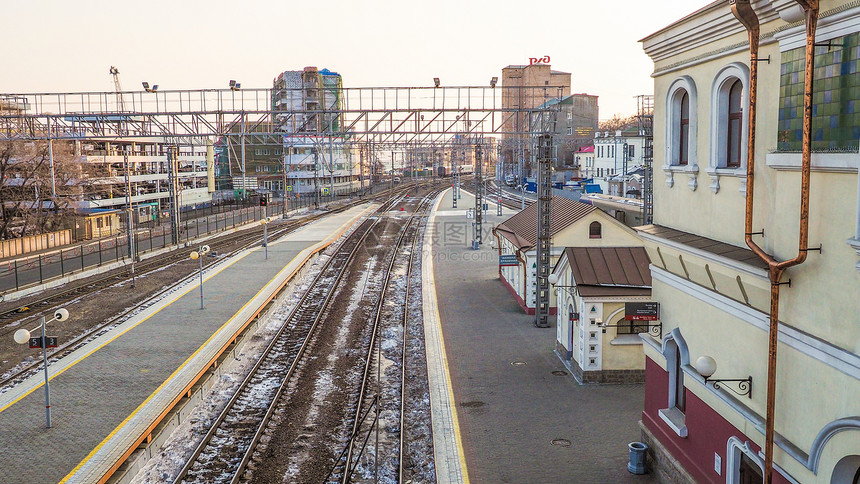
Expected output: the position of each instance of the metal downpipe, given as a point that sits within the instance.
(744, 12)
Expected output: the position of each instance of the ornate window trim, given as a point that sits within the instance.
(734, 449)
(683, 84)
(719, 123)
(672, 415)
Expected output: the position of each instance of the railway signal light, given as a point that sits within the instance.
(263, 201)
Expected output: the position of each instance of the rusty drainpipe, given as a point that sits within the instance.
(744, 12)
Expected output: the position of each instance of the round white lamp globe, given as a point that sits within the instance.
(22, 336)
(706, 366)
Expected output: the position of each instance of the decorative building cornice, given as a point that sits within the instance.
(708, 25)
(716, 23)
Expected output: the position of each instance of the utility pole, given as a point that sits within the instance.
(479, 198)
(129, 217)
(284, 159)
(316, 183)
(544, 246)
(173, 181)
(331, 162)
(51, 160)
(522, 150)
(244, 180)
(361, 171)
(499, 201)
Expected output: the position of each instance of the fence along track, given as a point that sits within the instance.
(56, 299)
(105, 282)
(250, 408)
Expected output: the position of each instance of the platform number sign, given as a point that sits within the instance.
(506, 260)
(50, 342)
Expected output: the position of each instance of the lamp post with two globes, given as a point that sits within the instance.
(23, 336)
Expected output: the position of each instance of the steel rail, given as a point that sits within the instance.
(54, 300)
(275, 340)
(404, 352)
(374, 333)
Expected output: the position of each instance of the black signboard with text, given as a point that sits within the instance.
(641, 311)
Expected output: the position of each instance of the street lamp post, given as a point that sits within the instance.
(198, 254)
(23, 336)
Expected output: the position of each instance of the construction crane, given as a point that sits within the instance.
(117, 87)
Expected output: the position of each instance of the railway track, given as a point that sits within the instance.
(227, 448)
(390, 444)
(224, 245)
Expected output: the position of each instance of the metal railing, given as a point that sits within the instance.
(20, 273)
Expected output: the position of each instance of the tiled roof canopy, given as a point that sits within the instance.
(740, 254)
(521, 229)
(610, 271)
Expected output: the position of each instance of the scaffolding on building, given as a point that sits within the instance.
(645, 119)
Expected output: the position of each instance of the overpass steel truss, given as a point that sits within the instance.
(385, 116)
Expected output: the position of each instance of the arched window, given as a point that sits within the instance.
(735, 127)
(594, 230)
(681, 119)
(680, 402)
(729, 97)
(677, 357)
(684, 130)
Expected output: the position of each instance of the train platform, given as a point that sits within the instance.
(505, 409)
(110, 392)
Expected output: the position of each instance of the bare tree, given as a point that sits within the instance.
(617, 123)
(30, 203)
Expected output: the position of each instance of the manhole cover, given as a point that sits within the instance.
(518, 363)
(559, 373)
(561, 442)
(472, 404)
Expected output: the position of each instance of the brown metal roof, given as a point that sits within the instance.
(615, 271)
(740, 254)
(521, 229)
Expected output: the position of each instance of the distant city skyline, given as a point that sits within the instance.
(56, 46)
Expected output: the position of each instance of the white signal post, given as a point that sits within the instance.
(265, 224)
(198, 255)
(22, 336)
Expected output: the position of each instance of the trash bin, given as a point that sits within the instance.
(637, 457)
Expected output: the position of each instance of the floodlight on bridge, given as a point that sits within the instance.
(436, 81)
(493, 82)
(149, 89)
(235, 85)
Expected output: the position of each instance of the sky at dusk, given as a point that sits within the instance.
(62, 46)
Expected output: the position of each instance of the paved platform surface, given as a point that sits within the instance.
(107, 393)
(507, 404)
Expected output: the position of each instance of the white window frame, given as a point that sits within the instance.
(672, 415)
(719, 123)
(673, 132)
(734, 449)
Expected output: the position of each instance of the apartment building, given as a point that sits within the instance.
(145, 167)
(617, 155)
(574, 127)
(303, 149)
(526, 87)
(756, 375)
